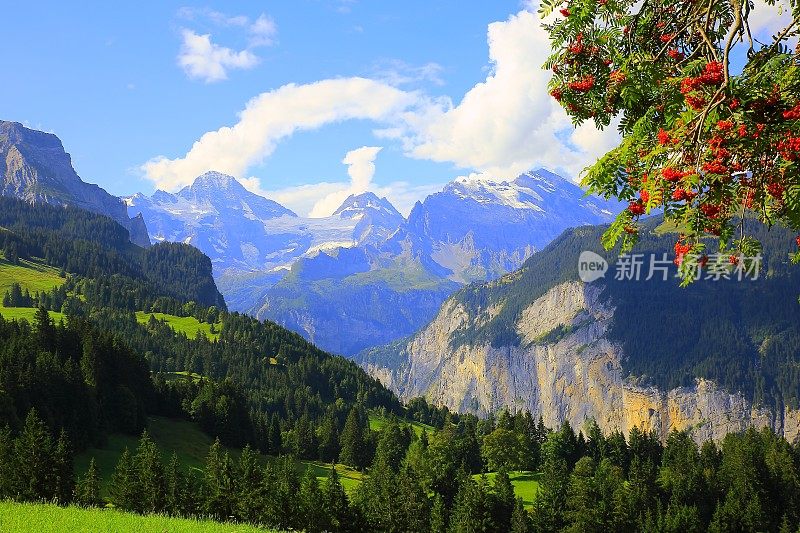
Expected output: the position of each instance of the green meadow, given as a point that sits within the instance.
(187, 325)
(48, 518)
(32, 276)
(191, 446)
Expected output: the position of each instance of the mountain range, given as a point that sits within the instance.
(365, 268)
(35, 167)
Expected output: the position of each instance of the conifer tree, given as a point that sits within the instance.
(87, 489)
(64, 470)
(335, 503)
(249, 479)
(438, 515)
(520, 519)
(504, 499)
(313, 514)
(275, 444)
(219, 483)
(124, 487)
(150, 475)
(6, 462)
(328, 438)
(33, 464)
(353, 447)
(174, 483)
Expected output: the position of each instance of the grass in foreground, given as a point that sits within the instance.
(47, 518)
(188, 325)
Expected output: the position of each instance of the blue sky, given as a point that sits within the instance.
(431, 89)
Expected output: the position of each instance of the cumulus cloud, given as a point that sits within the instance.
(203, 59)
(272, 116)
(361, 169)
(505, 124)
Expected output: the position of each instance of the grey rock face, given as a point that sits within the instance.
(35, 168)
(574, 377)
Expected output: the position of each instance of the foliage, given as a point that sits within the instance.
(702, 141)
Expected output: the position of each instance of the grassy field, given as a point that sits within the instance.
(377, 423)
(46, 518)
(31, 276)
(188, 324)
(191, 445)
(526, 484)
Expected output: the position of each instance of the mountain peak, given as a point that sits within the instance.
(215, 180)
(358, 203)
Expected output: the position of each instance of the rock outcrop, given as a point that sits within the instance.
(34, 167)
(564, 368)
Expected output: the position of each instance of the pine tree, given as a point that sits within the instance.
(520, 519)
(353, 447)
(6, 462)
(150, 474)
(174, 483)
(219, 483)
(87, 490)
(438, 515)
(33, 464)
(64, 470)
(335, 503)
(249, 478)
(313, 514)
(124, 488)
(504, 500)
(275, 444)
(328, 438)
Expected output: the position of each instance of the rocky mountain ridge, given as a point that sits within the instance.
(35, 167)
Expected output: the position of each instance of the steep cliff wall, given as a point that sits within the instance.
(564, 368)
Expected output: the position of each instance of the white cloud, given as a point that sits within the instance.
(361, 168)
(272, 116)
(202, 59)
(507, 123)
(504, 125)
(397, 72)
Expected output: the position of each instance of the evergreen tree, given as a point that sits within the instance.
(219, 490)
(33, 465)
(520, 519)
(6, 463)
(504, 500)
(328, 438)
(438, 515)
(124, 487)
(353, 447)
(311, 496)
(471, 509)
(551, 499)
(150, 475)
(275, 444)
(175, 485)
(335, 503)
(249, 479)
(87, 490)
(64, 471)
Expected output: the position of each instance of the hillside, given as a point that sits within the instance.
(711, 358)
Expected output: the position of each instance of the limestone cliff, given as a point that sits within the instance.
(564, 368)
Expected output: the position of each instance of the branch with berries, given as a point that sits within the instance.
(710, 117)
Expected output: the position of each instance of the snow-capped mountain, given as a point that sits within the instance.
(473, 230)
(480, 228)
(243, 232)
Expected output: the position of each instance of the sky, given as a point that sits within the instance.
(303, 101)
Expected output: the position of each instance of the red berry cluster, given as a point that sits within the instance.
(583, 85)
(797, 240)
(710, 210)
(683, 194)
(673, 175)
(636, 208)
(793, 113)
(681, 250)
(789, 147)
(664, 138)
(565, 12)
(712, 75)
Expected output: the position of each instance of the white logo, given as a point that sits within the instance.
(591, 266)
